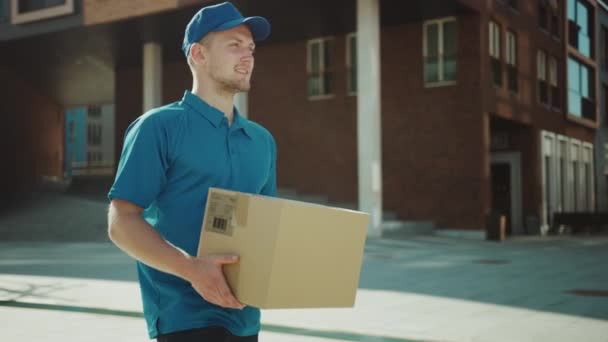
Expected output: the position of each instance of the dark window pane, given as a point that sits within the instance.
(432, 40)
(34, 5)
(542, 16)
(327, 58)
(431, 69)
(555, 98)
(449, 38)
(543, 92)
(449, 68)
(588, 109)
(328, 83)
(573, 33)
(555, 25)
(352, 86)
(314, 58)
(496, 71)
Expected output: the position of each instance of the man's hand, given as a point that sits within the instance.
(207, 278)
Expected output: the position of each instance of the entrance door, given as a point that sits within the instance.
(501, 191)
(506, 189)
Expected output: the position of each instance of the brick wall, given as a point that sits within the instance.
(100, 11)
(31, 135)
(432, 138)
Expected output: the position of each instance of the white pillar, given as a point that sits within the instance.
(152, 75)
(242, 104)
(369, 131)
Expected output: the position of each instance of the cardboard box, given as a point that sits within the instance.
(292, 254)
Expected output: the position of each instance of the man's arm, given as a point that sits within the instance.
(131, 233)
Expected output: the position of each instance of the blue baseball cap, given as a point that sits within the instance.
(222, 17)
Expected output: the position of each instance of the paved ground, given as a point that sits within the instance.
(425, 288)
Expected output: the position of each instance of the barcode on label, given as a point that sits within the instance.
(220, 223)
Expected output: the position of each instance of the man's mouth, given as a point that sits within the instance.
(243, 70)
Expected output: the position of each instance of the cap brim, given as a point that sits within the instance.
(259, 27)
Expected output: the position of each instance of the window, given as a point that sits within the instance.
(581, 85)
(555, 29)
(548, 17)
(512, 61)
(440, 47)
(510, 3)
(320, 67)
(351, 64)
(94, 134)
(604, 48)
(495, 53)
(3, 11)
(554, 83)
(541, 71)
(23, 11)
(542, 15)
(25, 6)
(580, 27)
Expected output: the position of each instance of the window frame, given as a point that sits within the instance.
(440, 51)
(41, 14)
(511, 58)
(495, 51)
(541, 76)
(349, 64)
(553, 81)
(325, 94)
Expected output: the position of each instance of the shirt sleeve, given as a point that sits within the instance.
(141, 173)
(270, 188)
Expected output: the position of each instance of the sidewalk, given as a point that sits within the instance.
(424, 289)
(421, 289)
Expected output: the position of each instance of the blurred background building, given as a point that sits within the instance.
(437, 112)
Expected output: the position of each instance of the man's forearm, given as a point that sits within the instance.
(131, 233)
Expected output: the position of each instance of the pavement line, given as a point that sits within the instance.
(337, 335)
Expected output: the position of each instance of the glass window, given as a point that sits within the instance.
(580, 26)
(320, 66)
(351, 63)
(431, 65)
(581, 82)
(449, 50)
(25, 6)
(440, 50)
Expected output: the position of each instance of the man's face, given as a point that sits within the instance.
(230, 59)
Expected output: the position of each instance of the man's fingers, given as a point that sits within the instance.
(227, 297)
(224, 259)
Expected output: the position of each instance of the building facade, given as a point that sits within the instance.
(440, 111)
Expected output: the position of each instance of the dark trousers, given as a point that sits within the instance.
(211, 334)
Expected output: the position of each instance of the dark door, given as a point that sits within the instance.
(501, 191)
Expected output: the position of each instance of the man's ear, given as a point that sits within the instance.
(198, 54)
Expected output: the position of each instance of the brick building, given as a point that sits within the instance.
(470, 106)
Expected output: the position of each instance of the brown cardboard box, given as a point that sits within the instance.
(292, 254)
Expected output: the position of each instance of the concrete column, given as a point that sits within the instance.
(153, 72)
(242, 104)
(369, 130)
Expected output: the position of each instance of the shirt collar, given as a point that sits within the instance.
(212, 114)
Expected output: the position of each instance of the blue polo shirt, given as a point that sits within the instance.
(171, 156)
